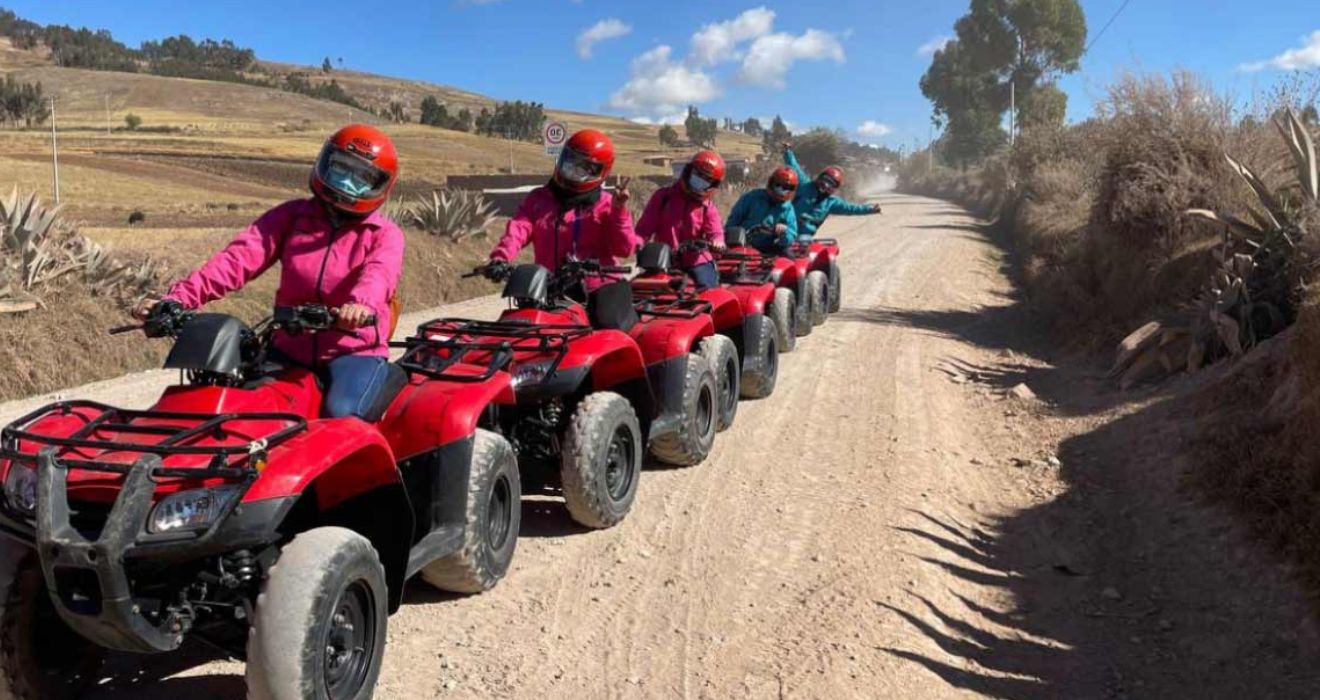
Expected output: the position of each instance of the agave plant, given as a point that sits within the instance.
(1253, 294)
(35, 250)
(454, 214)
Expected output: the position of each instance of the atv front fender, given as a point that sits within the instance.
(345, 457)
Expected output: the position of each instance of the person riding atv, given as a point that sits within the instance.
(818, 198)
(683, 213)
(769, 213)
(334, 248)
(572, 217)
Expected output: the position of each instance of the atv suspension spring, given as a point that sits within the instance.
(244, 566)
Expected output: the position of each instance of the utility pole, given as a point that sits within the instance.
(107, 114)
(930, 150)
(1012, 112)
(54, 150)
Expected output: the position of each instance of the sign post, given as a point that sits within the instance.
(554, 134)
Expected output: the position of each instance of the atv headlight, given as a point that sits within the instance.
(190, 510)
(21, 488)
(531, 372)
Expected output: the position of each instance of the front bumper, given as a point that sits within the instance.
(88, 578)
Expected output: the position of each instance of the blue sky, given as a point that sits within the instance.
(842, 64)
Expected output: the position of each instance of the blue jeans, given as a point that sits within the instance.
(353, 383)
(706, 276)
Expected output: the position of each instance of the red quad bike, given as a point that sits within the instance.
(823, 258)
(673, 393)
(230, 512)
(742, 264)
(750, 366)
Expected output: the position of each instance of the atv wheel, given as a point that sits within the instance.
(319, 626)
(758, 384)
(40, 656)
(602, 460)
(818, 286)
(802, 312)
(690, 444)
(783, 313)
(722, 356)
(494, 511)
(836, 287)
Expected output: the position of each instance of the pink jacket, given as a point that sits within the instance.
(603, 232)
(672, 217)
(359, 263)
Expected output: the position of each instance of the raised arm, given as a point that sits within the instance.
(249, 254)
(790, 159)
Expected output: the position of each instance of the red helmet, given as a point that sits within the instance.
(585, 161)
(783, 184)
(702, 176)
(830, 179)
(356, 170)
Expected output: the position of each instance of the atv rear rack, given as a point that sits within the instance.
(460, 338)
(684, 305)
(227, 461)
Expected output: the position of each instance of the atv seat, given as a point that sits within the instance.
(611, 307)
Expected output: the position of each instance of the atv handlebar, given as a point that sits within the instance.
(493, 270)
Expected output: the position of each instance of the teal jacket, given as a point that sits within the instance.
(813, 206)
(757, 209)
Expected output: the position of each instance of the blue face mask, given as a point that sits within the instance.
(347, 182)
(697, 183)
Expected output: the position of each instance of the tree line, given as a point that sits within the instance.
(22, 103)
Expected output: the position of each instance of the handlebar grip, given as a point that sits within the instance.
(120, 330)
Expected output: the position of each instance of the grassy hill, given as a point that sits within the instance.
(216, 153)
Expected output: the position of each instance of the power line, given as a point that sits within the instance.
(1105, 28)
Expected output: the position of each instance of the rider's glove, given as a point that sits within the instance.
(496, 270)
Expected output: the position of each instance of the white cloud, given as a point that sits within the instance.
(605, 29)
(719, 41)
(659, 86)
(874, 129)
(770, 56)
(1308, 56)
(929, 48)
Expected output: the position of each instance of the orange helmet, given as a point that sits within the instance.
(702, 175)
(783, 184)
(830, 179)
(356, 170)
(585, 161)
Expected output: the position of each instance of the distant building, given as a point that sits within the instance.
(659, 161)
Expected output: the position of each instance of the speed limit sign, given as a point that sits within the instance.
(554, 135)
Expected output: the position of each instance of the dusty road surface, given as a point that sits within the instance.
(834, 544)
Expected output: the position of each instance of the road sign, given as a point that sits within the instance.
(554, 134)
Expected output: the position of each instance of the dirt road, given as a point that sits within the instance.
(810, 556)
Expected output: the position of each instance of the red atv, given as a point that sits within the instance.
(232, 513)
(672, 389)
(742, 265)
(739, 311)
(823, 262)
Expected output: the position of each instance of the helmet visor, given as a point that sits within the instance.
(827, 184)
(350, 175)
(578, 168)
(782, 190)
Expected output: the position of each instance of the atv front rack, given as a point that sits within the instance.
(179, 433)
(750, 269)
(440, 345)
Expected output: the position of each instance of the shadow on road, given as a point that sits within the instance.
(1116, 583)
